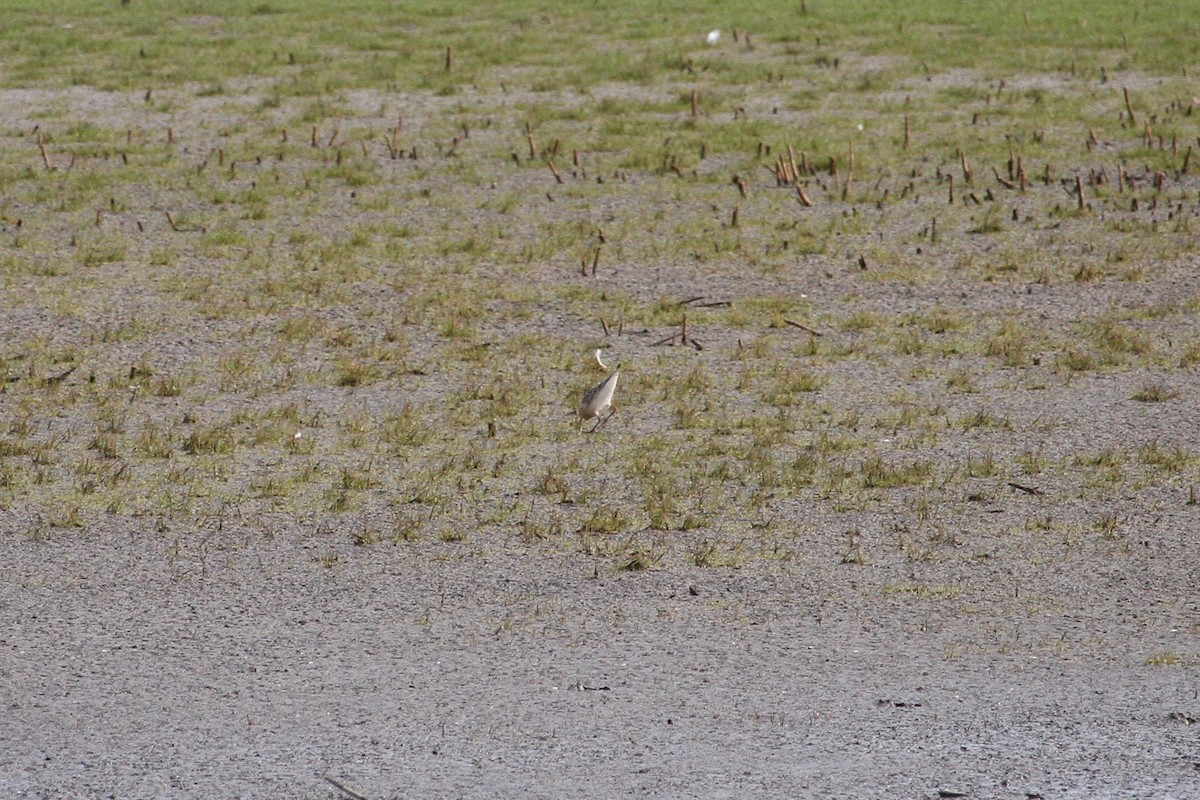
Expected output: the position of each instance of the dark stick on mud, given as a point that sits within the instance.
(1026, 489)
(1079, 191)
(54, 380)
(1129, 105)
(804, 328)
(669, 339)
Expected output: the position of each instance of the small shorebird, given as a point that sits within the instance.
(598, 398)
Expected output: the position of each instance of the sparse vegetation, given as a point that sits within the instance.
(322, 304)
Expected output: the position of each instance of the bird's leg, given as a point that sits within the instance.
(603, 422)
(595, 427)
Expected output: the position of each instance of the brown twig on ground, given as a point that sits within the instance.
(669, 339)
(393, 143)
(1079, 191)
(805, 200)
(1006, 183)
(804, 328)
(1129, 105)
(690, 300)
(45, 155)
(179, 229)
(604, 325)
(1026, 489)
(54, 380)
(341, 787)
(553, 169)
(449, 59)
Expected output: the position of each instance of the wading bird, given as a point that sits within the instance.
(598, 398)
